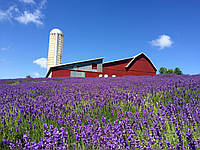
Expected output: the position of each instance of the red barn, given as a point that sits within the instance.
(139, 65)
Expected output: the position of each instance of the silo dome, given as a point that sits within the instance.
(56, 30)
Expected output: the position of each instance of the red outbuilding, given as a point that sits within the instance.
(139, 65)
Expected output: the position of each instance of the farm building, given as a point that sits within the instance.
(139, 65)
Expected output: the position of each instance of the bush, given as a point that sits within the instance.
(28, 76)
(169, 71)
(162, 70)
(176, 71)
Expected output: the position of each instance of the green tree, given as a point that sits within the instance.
(177, 71)
(28, 76)
(169, 71)
(162, 70)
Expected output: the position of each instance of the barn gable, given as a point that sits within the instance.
(141, 62)
(138, 65)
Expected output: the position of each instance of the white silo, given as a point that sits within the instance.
(55, 48)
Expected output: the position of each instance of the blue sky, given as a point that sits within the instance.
(166, 30)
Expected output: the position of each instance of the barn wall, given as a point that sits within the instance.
(140, 67)
(92, 74)
(142, 64)
(66, 73)
(119, 73)
(60, 73)
(118, 65)
(111, 72)
(115, 68)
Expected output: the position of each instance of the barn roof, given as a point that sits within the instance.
(118, 60)
(140, 54)
(78, 62)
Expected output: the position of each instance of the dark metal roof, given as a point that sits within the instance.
(117, 60)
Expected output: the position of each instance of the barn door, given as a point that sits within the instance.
(77, 74)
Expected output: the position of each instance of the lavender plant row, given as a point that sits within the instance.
(161, 112)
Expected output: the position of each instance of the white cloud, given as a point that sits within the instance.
(7, 14)
(36, 74)
(43, 3)
(163, 41)
(42, 62)
(21, 14)
(4, 49)
(28, 1)
(27, 17)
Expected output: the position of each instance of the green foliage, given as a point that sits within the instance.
(12, 82)
(28, 76)
(162, 70)
(169, 71)
(177, 71)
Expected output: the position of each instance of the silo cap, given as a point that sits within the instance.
(56, 30)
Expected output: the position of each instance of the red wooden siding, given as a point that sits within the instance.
(66, 73)
(92, 74)
(60, 73)
(117, 65)
(142, 66)
(116, 68)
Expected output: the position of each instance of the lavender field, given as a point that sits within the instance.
(161, 112)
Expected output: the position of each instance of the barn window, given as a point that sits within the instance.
(105, 75)
(77, 73)
(94, 66)
(113, 75)
(100, 75)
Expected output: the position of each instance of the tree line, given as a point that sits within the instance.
(176, 71)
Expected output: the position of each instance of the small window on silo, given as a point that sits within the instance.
(94, 66)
